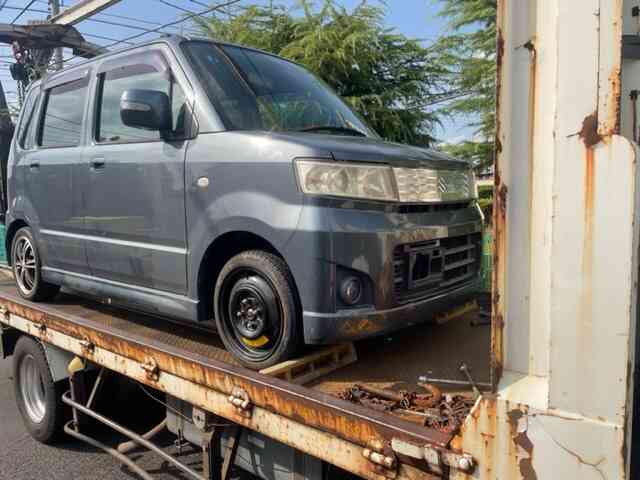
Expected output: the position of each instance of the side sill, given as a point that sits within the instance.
(141, 298)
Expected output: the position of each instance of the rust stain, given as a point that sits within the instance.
(522, 440)
(489, 406)
(589, 132)
(589, 191)
(614, 113)
(499, 235)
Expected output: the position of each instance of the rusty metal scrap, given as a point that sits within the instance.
(444, 413)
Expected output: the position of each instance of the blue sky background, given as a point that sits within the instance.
(414, 18)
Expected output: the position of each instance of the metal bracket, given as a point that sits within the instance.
(383, 458)
(239, 398)
(151, 369)
(203, 420)
(435, 456)
(87, 347)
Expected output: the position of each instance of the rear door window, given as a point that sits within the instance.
(63, 114)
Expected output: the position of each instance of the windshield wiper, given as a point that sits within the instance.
(331, 128)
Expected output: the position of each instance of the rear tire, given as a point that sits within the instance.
(27, 268)
(39, 399)
(256, 309)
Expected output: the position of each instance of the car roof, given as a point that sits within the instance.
(172, 40)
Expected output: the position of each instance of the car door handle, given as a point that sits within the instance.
(34, 166)
(97, 164)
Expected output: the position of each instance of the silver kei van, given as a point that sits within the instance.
(207, 182)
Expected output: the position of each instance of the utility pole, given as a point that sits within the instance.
(55, 11)
(79, 11)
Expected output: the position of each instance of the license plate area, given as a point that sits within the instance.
(426, 264)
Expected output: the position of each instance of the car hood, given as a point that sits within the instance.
(371, 150)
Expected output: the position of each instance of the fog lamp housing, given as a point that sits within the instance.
(351, 290)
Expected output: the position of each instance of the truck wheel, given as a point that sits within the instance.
(25, 261)
(39, 399)
(256, 311)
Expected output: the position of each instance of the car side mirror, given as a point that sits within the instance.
(146, 109)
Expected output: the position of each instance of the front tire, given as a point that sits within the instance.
(256, 309)
(27, 268)
(39, 399)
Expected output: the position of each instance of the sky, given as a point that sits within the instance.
(415, 18)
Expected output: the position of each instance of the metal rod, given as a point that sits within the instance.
(381, 392)
(132, 435)
(232, 450)
(467, 373)
(111, 451)
(126, 447)
(73, 388)
(96, 387)
(446, 381)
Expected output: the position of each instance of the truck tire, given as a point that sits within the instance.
(256, 309)
(25, 261)
(39, 399)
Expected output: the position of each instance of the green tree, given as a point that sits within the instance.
(391, 80)
(470, 52)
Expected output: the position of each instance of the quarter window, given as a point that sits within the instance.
(109, 126)
(27, 119)
(63, 112)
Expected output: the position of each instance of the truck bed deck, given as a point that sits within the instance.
(191, 363)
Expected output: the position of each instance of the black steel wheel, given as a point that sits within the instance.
(26, 265)
(37, 396)
(256, 310)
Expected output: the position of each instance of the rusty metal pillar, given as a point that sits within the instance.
(566, 226)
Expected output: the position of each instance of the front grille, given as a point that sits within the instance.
(427, 185)
(426, 269)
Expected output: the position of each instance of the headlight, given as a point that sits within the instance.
(346, 180)
(376, 182)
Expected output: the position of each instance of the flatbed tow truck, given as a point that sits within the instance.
(561, 355)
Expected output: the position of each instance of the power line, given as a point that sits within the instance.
(24, 9)
(117, 24)
(124, 17)
(97, 20)
(131, 19)
(177, 7)
(170, 24)
(93, 35)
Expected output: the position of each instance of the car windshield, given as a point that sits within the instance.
(256, 91)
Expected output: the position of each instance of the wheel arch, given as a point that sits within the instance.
(229, 244)
(10, 233)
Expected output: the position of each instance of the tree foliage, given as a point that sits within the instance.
(470, 52)
(391, 80)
